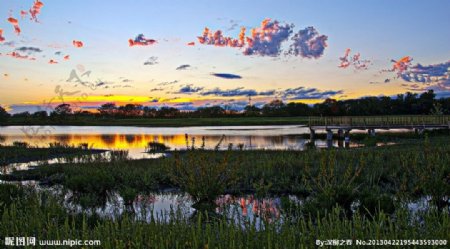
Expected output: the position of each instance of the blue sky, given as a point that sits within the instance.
(379, 30)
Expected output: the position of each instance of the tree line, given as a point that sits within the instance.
(403, 104)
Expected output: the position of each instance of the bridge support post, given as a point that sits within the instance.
(340, 134)
(372, 132)
(312, 134)
(340, 138)
(329, 138)
(347, 138)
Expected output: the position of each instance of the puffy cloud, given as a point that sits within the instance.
(233, 26)
(157, 89)
(36, 9)
(267, 39)
(9, 44)
(217, 39)
(191, 44)
(2, 39)
(67, 57)
(400, 66)
(354, 60)
(140, 40)
(186, 106)
(23, 14)
(51, 61)
(77, 44)
(267, 93)
(188, 89)
(17, 55)
(183, 67)
(378, 82)
(227, 75)
(263, 41)
(240, 91)
(15, 24)
(29, 50)
(308, 43)
(430, 73)
(168, 83)
(151, 61)
(308, 93)
(422, 78)
(436, 76)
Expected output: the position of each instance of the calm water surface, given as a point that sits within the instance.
(135, 139)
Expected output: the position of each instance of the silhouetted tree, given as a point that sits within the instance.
(62, 110)
(298, 109)
(108, 109)
(22, 115)
(426, 102)
(252, 110)
(274, 108)
(149, 112)
(4, 115)
(213, 111)
(168, 112)
(130, 110)
(40, 114)
(329, 107)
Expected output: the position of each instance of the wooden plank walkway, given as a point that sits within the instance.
(379, 122)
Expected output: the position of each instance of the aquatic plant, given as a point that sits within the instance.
(156, 147)
(203, 176)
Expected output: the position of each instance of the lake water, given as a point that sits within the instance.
(135, 139)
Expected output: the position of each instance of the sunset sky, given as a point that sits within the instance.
(80, 52)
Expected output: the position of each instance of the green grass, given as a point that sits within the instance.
(163, 122)
(22, 152)
(47, 220)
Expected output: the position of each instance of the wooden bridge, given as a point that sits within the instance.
(371, 123)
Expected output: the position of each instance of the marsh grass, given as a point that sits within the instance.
(325, 177)
(204, 175)
(20, 152)
(47, 219)
(352, 194)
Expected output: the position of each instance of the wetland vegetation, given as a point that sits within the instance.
(361, 193)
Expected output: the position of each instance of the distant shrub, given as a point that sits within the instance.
(21, 144)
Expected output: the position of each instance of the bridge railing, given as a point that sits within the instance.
(386, 121)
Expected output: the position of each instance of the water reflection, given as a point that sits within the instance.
(171, 204)
(106, 156)
(136, 139)
(168, 205)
